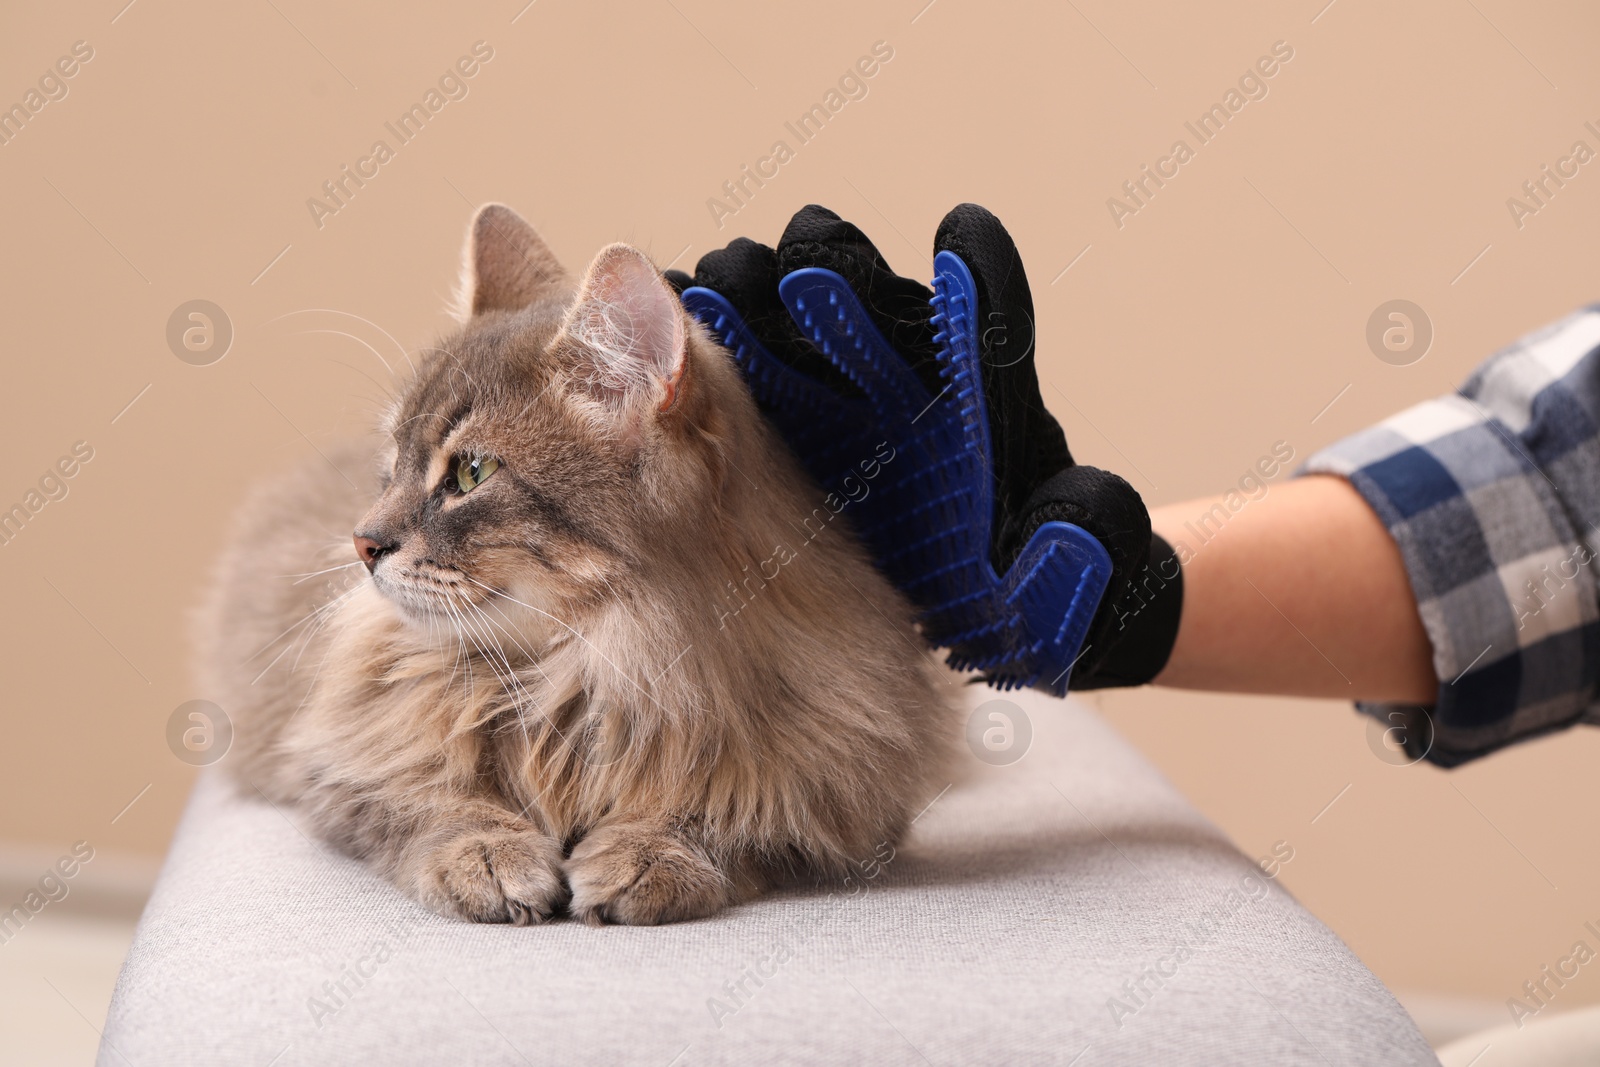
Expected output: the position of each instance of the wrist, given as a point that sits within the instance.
(1138, 625)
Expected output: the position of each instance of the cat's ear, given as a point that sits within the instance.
(629, 331)
(507, 265)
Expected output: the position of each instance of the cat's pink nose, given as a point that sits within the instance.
(370, 551)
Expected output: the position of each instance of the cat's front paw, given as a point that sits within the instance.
(640, 875)
(496, 876)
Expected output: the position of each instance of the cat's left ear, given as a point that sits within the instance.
(629, 331)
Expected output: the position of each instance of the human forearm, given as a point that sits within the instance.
(1300, 593)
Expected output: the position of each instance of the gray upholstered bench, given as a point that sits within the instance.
(1032, 917)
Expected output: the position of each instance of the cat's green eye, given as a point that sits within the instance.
(471, 473)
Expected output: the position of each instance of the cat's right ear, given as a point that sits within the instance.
(507, 265)
(628, 331)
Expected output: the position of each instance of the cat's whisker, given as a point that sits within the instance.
(457, 361)
(299, 642)
(308, 616)
(362, 343)
(533, 661)
(381, 403)
(478, 610)
(436, 641)
(378, 407)
(506, 680)
(353, 315)
(311, 686)
(463, 654)
(516, 639)
(272, 664)
(321, 613)
(307, 576)
(455, 666)
(517, 682)
(305, 637)
(551, 384)
(422, 415)
(491, 649)
(648, 695)
(458, 624)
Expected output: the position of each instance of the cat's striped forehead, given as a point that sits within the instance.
(489, 374)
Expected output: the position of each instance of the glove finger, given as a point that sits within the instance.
(1097, 500)
(816, 237)
(678, 280)
(746, 273)
(1110, 509)
(1027, 443)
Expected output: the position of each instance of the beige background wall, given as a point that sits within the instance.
(1224, 316)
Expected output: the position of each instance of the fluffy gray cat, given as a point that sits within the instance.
(616, 654)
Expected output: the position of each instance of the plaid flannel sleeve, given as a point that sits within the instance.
(1493, 496)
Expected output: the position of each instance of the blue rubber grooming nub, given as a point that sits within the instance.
(912, 473)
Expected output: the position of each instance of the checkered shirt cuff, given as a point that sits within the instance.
(1493, 496)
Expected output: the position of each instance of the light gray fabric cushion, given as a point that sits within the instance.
(1002, 933)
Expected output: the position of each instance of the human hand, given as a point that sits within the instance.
(919, 411)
